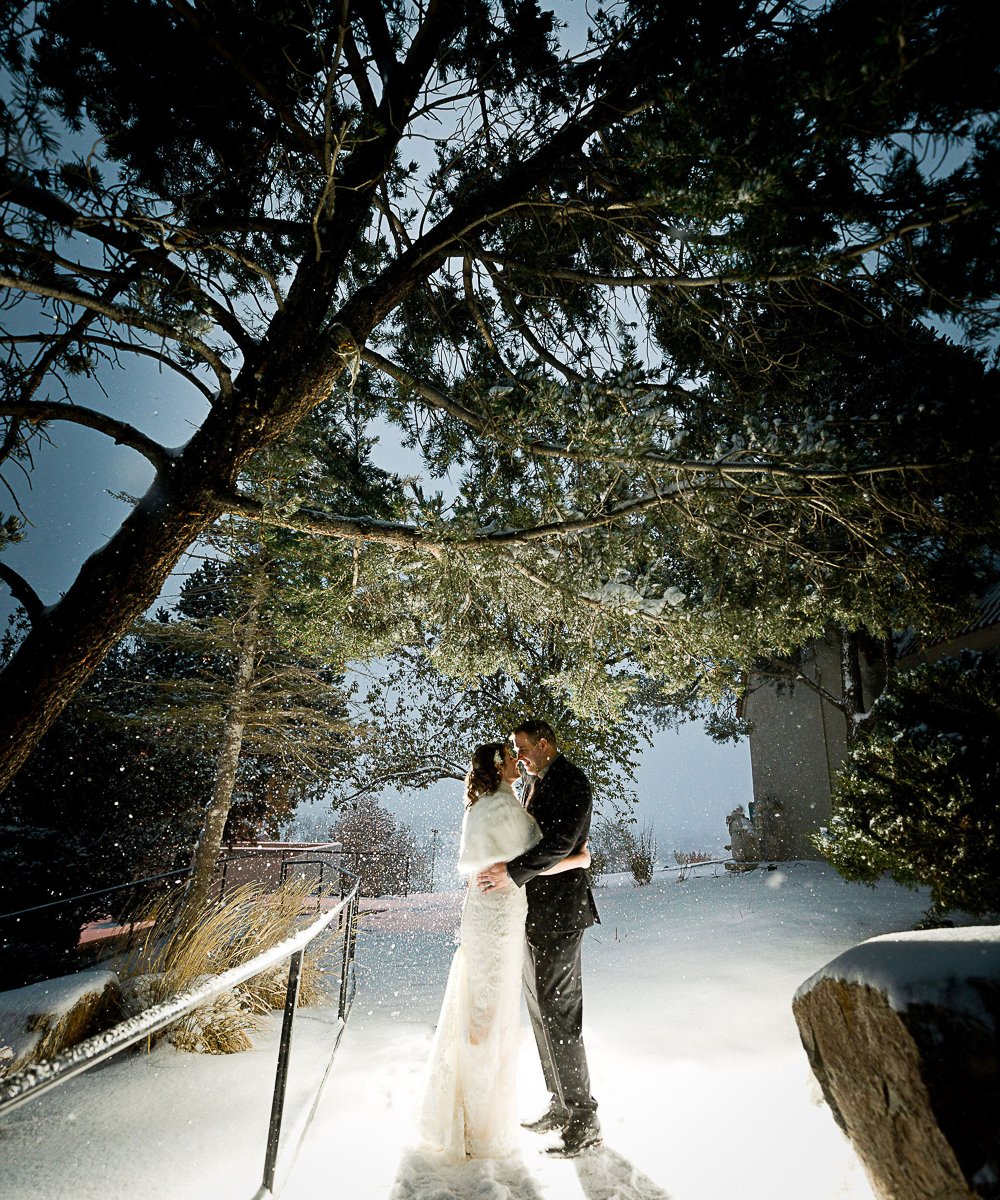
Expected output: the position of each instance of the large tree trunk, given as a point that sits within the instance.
(66, 643)
(206, 852)
(119, 582)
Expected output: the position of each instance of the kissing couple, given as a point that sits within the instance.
(526, 908)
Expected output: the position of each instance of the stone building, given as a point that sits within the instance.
(799, 736)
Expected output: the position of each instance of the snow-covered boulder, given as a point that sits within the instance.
(42, 1019)
(903, 1034)
(744, 842)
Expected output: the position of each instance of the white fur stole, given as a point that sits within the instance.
(496, 829)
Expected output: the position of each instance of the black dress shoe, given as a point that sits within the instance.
(582, 1132)
(552, 1118)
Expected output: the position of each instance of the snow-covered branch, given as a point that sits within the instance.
(398, 533)
(611, 596)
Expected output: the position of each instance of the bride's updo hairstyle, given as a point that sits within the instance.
(483, 778)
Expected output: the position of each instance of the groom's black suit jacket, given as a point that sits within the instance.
(561, 803)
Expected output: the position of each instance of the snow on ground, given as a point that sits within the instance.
(703, 1086)
(54, 998)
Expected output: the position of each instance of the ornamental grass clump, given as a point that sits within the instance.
(53, 1016)
(169, 957)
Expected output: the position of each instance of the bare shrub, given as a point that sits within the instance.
(642, 856)
(688, 858)
(615, 846)
(612, 842)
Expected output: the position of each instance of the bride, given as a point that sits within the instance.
(469, 1108)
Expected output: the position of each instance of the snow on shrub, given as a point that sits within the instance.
(917, 797)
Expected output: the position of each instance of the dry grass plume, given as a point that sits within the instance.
(167, 958)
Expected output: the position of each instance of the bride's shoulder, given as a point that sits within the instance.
(501, 798)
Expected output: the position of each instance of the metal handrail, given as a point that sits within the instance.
(305, 861)
(118, 887)
(33, 1081)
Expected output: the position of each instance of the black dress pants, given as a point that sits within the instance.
(553, 988)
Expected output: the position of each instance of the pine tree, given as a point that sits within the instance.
(260, 662)
(666, 300)
(917, 797)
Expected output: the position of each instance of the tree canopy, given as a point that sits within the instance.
(693, 304)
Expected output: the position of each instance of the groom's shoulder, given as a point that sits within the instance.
(568, 770)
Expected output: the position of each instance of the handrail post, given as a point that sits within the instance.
(281, 1073)
(22, 1086)
(348, 957)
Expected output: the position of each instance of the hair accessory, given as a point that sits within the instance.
(498, 758)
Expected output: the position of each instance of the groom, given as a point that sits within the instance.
(560, 908)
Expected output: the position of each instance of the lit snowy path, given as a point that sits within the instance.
(705, 1091)
(704, 1088)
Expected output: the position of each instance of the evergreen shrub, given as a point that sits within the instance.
(917, 796)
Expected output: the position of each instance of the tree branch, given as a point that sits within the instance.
(477, 315)
(39, 411)
(694, 282)
(23, 593)
(125, 316)
(728, 469)
(502, 194)
(53, 208)
(550, 585)
(301, 135)
(356, 67)
(396, 533)
(793, 675)
(522, 327)
(117, 344)
(435, 771)
(372, 15)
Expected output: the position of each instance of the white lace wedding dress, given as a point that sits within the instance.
(470, 1104)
